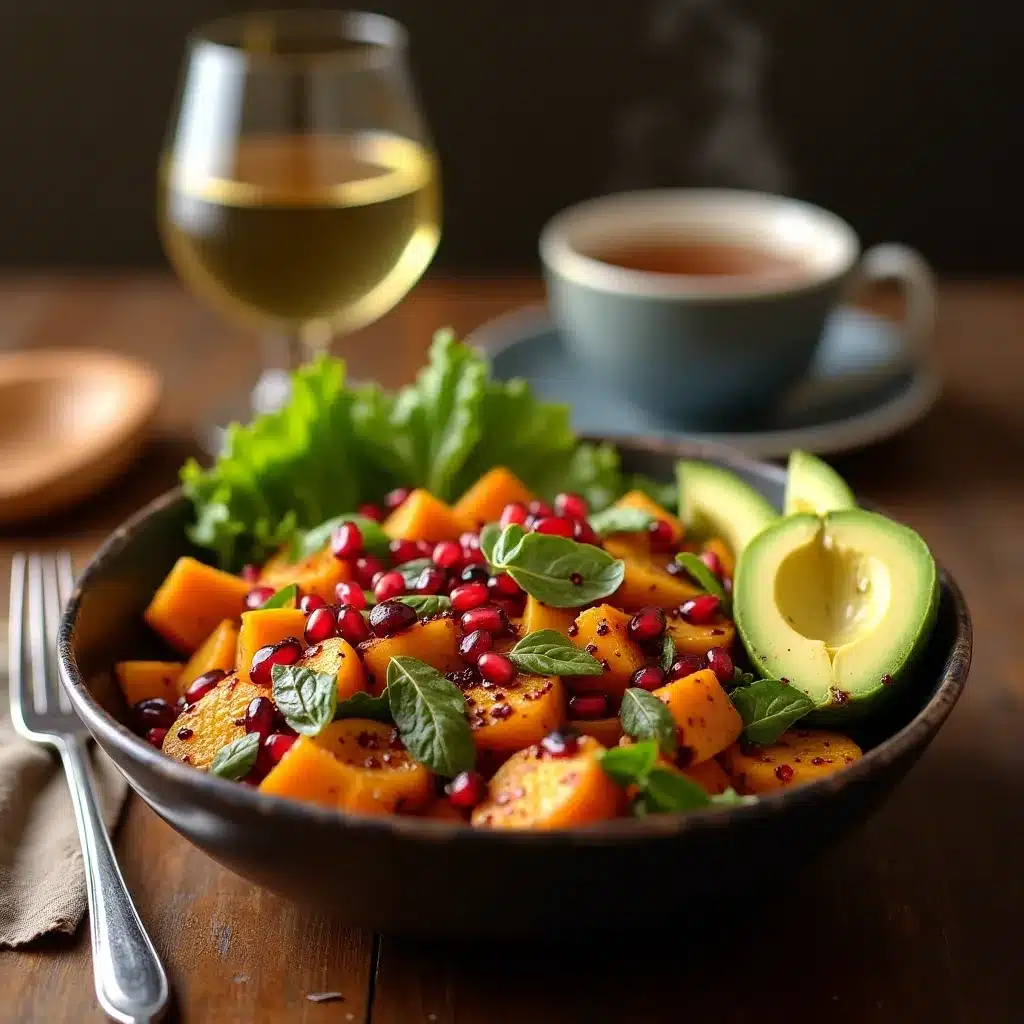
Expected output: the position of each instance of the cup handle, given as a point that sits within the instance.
(891, 261)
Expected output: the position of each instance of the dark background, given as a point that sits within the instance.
(902, 115)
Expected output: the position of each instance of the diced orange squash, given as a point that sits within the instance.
(607, 731)
(798, 756)
(214, 722)
(318, 574)
(309, 773)
(440, 808)
(604, 633)
(260, 628)
(709, 774)
(218, 650)
(507, 719)
(542, 616)
(706, 721)
(485, 500)
(144, 680)
(725, 556)
(637, 499)
(436, 642)
(532, 789)
(690, 638)
(647, 582)
(423, 517)
(192, 600)
(337, 657)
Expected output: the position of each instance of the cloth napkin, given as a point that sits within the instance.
(42, 878)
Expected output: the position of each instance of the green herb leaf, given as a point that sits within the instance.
(286, 597)
(644, 717)
(309, 542)
(702, 575)
(668, 653)
(546, 652)
(629, 765)
(508, 541)
(489, 535)
(235, 760)
(741, 678)
(620, 520)
(768, 708)
(667, 791)
(661, 790)
(430, 713)
(362, 705)
(305, 698)
(426, 605)
(730, 798)
(411, 570)
(560, 572)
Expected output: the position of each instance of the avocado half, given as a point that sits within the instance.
(836, 605)
(814, 486)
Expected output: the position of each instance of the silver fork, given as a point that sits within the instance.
(130, 981)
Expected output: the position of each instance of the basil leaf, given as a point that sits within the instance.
(768, 708)
(411, 570)
(546, 652)
(307, 699)
(426, 605)
(557, 571)
(666, 791)
(629, 765)
(362, 705)
(508, 541)
(702, 575)
(668, 653)
(286, 597)
(235, 760)
(741, 678)
(644, 717)
(309, 542)
(730, 798)
(620, 519)
(430, 713)
(489, 535)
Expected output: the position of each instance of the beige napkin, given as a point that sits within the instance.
(42, 881)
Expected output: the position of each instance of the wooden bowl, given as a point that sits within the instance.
(414, 875)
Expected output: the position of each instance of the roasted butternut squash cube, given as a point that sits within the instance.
(709, 774)
(218, 651)
(690, 638)
(799, 756)
(440, 808)
(318, 574)
(607, 731)
(309, 773)
(532, 789)
(211, 723)
(487, 498)
(604, 633)
(644, 502)
(144, 680)
(261, 628)
(436, 642)
(192, 600)
(707, 722)
(647, 581)
(506, 719)
(423, 517)
(542, 616)
(337, 657)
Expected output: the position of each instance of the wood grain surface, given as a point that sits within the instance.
(915, 918)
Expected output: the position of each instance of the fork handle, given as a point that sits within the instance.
(130, 981)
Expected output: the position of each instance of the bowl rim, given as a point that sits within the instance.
(211, 790)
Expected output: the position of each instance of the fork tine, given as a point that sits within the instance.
(36, 610)
(53, 604)
(65, 584)
(15, 630)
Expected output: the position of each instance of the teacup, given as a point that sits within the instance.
(707, 304)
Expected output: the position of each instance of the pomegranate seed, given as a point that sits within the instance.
(662, 535)
(469, 541)
(584, 533)
(321, 625)
(469, 595)
(503, 585)
(431, 581)
(257, 597)
(447, 554)
(403, 551)
(513, 512)
(589, 705)
(374, 512)
(202, 685)
(685, 665)
(649, 678)
(278, 744)
(647, 625)
(701, 610)
(350, 594)
(260, 716)
(156, 737)
(466, 790)
(572, 506)
(154, 713)
(720, 662)
(473, 556)
(389, 585)
(391, 617)
(424, 549)
(250, 573)
(496, 668)
(560, 744)
(347, 541)
(555, 525)
(713, 562)
(472, 645)
(539, 509)
(284, 652)
(513, 607)
(366, 568)
(352, 626)
(396, 497)
(474, 574)
(310, 602)
(487, 617)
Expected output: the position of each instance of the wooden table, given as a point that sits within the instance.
(916, 918)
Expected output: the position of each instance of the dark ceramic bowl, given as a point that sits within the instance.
(418, 875)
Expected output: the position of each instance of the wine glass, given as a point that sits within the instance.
(298, 191)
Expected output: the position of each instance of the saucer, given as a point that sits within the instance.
(863, 386)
